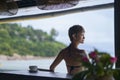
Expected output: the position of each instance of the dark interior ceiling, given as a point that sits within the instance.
(10, 7)
(31, 3)
(31, 9)
(26, 3)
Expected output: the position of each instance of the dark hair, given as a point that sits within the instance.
(75, 29)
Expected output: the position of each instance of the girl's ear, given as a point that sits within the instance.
(74, 36)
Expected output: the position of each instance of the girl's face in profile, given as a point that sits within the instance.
(80, 37)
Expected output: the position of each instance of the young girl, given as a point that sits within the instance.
(71, 54)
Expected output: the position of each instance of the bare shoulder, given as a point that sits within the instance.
(63, 51)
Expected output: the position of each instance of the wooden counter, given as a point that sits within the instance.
(40, 75)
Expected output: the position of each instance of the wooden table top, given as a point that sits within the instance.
(45, 74)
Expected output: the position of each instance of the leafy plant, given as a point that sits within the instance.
(100, 63)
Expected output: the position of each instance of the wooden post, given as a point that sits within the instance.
(117, 32)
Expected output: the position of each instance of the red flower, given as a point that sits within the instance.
(85, 59)
(113, 59)
(93, 55)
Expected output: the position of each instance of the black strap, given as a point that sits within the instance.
(73, 67)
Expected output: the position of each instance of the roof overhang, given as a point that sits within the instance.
(27, 10)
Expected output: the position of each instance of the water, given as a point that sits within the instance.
(24, 65)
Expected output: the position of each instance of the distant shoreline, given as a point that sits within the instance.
(19, 57)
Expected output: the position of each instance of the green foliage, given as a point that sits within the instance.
(99, 66)
(80, 75)
(15, 38)
(117, 74)
(53, 33)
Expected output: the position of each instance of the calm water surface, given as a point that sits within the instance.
(24, 65)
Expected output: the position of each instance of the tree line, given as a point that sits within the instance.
(14, 38)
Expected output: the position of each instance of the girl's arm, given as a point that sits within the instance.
(58, 59)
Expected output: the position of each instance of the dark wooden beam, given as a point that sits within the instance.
(117, 32)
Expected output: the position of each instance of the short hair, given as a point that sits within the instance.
(75, 29)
